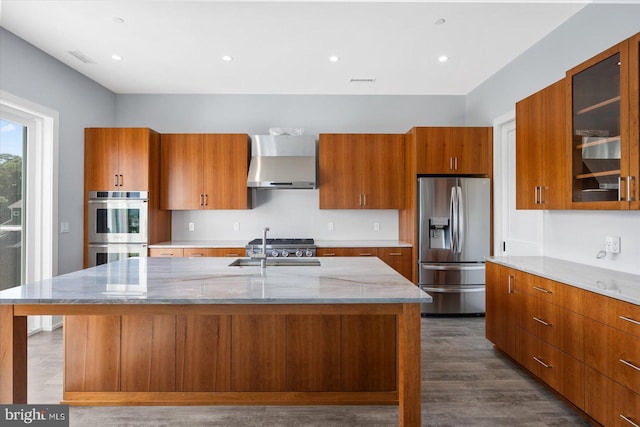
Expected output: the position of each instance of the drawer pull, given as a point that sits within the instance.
(628, 319)
(232, 255)
(166, 254)
(542, 363)
(629, 364)
(629, 420)
(395, 253)
(366, 254)
(196, 255)
(329, 254)
(537, 319)
(546, 291)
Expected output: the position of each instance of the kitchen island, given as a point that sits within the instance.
(159, 331)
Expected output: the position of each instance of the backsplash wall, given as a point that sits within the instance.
(288, 213)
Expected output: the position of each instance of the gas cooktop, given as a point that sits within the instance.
(283, 247)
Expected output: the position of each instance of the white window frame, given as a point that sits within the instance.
(41, 204)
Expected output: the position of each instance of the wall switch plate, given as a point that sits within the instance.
(192, 226)
(236, 226)
(376, 226)
(330, 226)
(612, 244)
(64, 227)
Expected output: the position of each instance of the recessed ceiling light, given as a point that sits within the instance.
(116, 57)
(118, 20)
(227, 58)
(440, 21)
(443, 58)
(334, 58)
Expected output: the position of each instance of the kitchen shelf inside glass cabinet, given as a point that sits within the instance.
(599, 105)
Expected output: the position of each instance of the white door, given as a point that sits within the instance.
(518, 232)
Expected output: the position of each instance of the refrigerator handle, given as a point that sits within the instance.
(460, 220)
(453, 227)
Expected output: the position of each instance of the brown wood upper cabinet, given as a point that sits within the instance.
(204, 171)
(602, 109)
(119, 158)
(361, 171)
(454, 150)
(541, 155)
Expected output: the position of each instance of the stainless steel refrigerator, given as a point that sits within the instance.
(454, 239)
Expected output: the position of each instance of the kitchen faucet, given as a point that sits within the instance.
(262, 256)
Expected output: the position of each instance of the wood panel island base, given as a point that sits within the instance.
(182, 331)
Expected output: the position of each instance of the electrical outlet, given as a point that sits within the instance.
(192, 226)
(330, 226)
(612, 244)
(64, 227)
(236, 226)
(376, 226)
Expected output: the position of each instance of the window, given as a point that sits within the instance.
(38, 194)
(13, 145)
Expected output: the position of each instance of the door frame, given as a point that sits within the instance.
(501, 126)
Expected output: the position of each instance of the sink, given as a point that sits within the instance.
(275, 262)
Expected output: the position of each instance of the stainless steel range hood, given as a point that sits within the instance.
(282, 161)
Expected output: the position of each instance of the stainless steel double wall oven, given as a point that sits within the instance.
(118, 225)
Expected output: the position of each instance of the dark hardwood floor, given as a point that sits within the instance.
(465, 382)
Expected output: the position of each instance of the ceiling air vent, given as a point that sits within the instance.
(362, 81)
(81, 56)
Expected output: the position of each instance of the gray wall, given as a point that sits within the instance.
(255, 114)
(590, 31)
(31, 74)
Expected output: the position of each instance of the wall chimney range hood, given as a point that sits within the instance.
(282, 161)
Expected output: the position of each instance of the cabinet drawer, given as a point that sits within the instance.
(608, 402)
(553, 324)
(168, 252)
(214, 252)
(394, 253)
(619, 314)
(347, 251)
(556, 368)
(552, 292)
(614, 353)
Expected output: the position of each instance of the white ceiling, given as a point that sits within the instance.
(284, 47)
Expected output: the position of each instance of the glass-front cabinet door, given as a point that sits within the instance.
(634, 121)
(599, 111)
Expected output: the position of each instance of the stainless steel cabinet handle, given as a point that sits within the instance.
(329, 254)
(537, 319)
(628, 319)
(360, 199)
(196, 255)
(232, 255)
(206, 200)
(366, 254)
(629, 364)
(546, 291)
(629, 194)
(620, 196)
(121, 181)
(364, 197)
(629, 420)
(509, 283)
(115, 180)
(395, 253)
(450, 163)
(202, 200)
(542, 363)
(455, 163)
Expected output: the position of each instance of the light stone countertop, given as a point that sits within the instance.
(611, 283)
(199, 244)
(339, 280)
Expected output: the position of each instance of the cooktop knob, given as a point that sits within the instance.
(298, 253)
(285, 253)
(274, 253)
(309, 252)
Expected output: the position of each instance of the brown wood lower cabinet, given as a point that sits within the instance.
(610, 403)
(196, 252)
(236, 353)
(556, 368)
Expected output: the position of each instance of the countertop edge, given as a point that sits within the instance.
(597, 274)
(217, 244)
